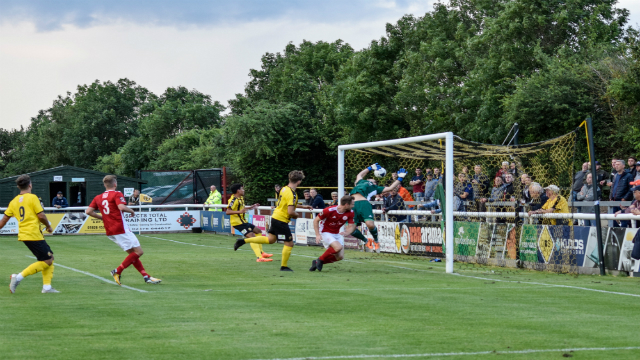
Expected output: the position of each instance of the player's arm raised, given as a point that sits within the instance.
(366, 171)
(401, 174)
(92, 212)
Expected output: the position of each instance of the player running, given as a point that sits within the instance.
(363, 190)
(236, 210)
(279, 229)
(26, 208)
(111, 204)
(327, 226)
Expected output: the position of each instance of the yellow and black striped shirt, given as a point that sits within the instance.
(237, 204)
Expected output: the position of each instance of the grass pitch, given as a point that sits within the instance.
(215, 303)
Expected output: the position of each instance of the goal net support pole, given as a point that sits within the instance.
(449, 175)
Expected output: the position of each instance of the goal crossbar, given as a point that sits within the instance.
(448, 137)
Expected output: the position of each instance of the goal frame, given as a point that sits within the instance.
(449, 174)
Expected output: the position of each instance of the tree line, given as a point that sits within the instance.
(473, 67)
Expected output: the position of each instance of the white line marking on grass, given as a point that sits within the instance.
(377, 289)
(93, 275)
(529, 351)
(226, 248)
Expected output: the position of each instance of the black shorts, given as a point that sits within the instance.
(280, 230)
(40, 249)
(245, 228)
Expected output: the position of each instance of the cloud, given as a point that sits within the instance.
(52, 15)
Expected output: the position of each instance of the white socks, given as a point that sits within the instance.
(19, 277)
(46, 287)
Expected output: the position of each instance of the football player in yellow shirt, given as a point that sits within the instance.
(26, 208)
(279, 229)
(236, 211)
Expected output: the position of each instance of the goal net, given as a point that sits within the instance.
(489, 190)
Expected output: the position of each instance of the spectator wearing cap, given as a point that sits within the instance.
(587, 194)
(637, 177)
(504, 170)
(555, 204)
(418, 185)
(635, 205)
(632, 161)
(578, 181)
(334, 198)
(59, 201)
(621, 189)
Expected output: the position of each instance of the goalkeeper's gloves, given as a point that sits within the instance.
(401, 174)
(373, 167)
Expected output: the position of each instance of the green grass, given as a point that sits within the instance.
(218, 304)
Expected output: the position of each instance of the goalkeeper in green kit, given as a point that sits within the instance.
(363, 191)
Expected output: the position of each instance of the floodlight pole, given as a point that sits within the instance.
(596, 197)
(449, 201)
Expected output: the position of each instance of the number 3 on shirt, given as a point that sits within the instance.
(105, 205)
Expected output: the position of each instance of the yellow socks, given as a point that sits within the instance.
(286, 252)
(37, 266)
(47, 275)
(257, 249)
(257, 240)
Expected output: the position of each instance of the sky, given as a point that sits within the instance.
(49, 47)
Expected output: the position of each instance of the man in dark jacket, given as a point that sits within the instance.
(578, 181)
(59, 201)
(394, 202)
(620, 188)
(317, 202)
(632, 166)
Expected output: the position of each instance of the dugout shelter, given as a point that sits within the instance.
(78, 185)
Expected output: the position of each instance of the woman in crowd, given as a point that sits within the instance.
(587, 194)
(555, 204)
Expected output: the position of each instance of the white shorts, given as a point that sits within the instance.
(328, 238)
(126, 241)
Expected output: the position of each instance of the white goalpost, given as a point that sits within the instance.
(449, 175)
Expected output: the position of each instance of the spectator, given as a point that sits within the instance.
(317, 202)
(587, 194)
(427, 171)
(307, 198)
(215, 198)
(436, 174)
(59, 201)
(481, 185)
(430, 187)
(503, 170)
(637, 177)
(277, 188)
(465, 170)
(463, 191)
(538, 198)
(509, 190)
(620, 189)
(600, 173)
(635, 205)
(394, 177)
(525, 180)
(498, 191)
(632, 166)
(578, 180)
(135, 198)
(612, 175)
(418, 185)
(556, 204)
(513, 170)
(394, 202)
(404, 193)
(334, 198)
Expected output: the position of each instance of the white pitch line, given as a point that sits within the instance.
(495, 352)
(95, 276)
(377, 289)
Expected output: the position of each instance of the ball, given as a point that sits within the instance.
(381, 172)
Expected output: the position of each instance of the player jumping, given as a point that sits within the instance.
(26, 208)
(236, 210)
(111, 204)
(362, 207)
(327, 226)
(279, 229)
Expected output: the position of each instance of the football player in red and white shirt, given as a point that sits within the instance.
(327, 226)
(111, 204)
